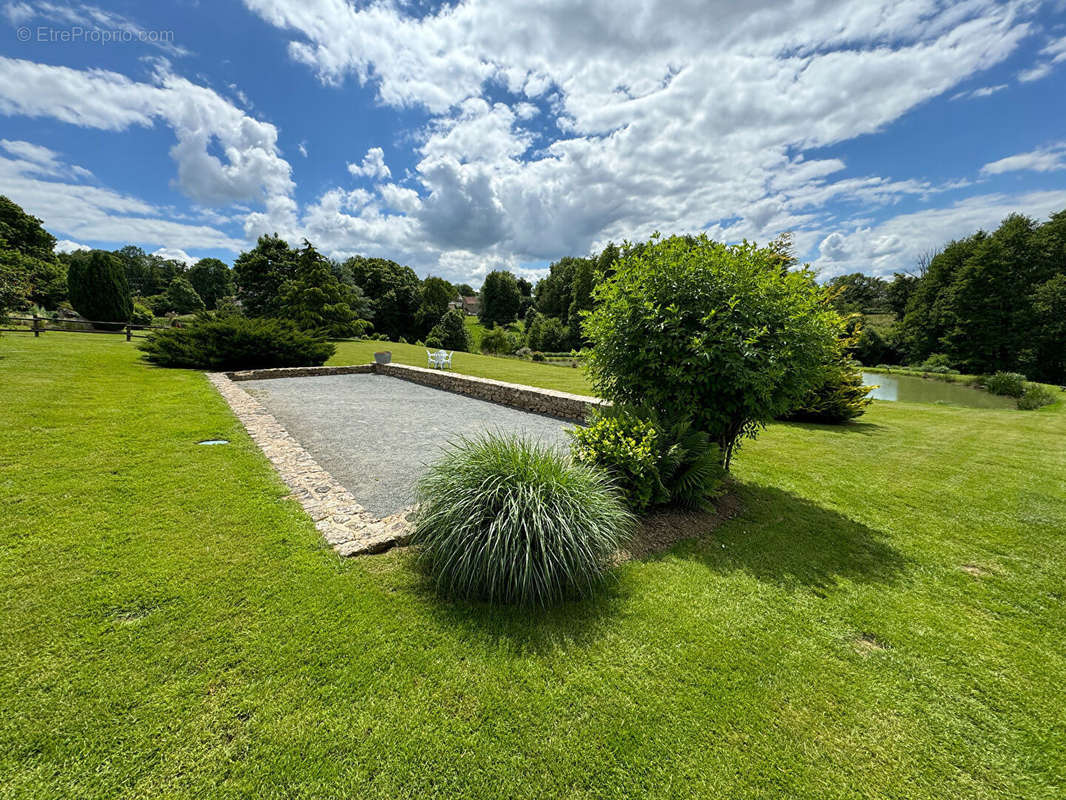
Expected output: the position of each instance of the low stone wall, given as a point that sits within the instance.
(527, 398)
(298, 372)
(347, 527)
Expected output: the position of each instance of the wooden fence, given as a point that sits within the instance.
(37, 325)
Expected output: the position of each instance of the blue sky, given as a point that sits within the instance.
(504, 134)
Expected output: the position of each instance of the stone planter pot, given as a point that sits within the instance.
(383, 358)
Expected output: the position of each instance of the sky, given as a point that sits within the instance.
(476, 135)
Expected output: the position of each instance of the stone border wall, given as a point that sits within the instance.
(346, 526)
(527, 398)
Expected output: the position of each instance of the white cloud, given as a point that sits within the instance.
(895, 244)
(176, 254)
(640, 125)
(77, 211)
(982, 91)
(373, 165)
(251, 169)
(67, 246)
(1052, 54)
(1046, 159)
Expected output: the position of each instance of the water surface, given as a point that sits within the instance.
(910, 389)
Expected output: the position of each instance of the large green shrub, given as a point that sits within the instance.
(726, 332)
(840, 397)
(654, 462)
(1010, 384)
(510, 521)
(451, 332)
(98, 290)
(236, 342)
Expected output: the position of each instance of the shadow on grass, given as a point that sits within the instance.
(573, 623)
(792, 542)
(777, 537)
(851, 427)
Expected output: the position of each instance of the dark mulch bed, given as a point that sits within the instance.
(661, 530)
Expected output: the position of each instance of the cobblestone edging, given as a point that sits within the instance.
(527, 398)
(347, 527)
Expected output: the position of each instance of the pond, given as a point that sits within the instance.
(910, 389)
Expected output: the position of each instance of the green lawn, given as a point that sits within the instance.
(513, 370)
(173, 626)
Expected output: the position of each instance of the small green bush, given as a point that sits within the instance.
(451, 332)
(1010, 384)
(499, 342)
(142, 314)
(510, 521)
(1035, 396)
(937, 362)
(654, 462)
(841, 397)
(538, 356)
(236, 343)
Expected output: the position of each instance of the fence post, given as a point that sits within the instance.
(129, 332)
(36, 326)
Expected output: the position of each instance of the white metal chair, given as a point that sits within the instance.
(432, 359)
(444, 359)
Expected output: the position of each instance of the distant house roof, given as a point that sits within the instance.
(471, 305)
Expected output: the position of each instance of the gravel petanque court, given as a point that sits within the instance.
(375, 433)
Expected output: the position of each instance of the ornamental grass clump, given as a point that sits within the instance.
(510, 521)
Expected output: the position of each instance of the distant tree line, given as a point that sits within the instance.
(992, 302)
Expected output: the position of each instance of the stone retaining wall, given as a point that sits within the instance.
(298, 372)
(346, 526)
(527, 398)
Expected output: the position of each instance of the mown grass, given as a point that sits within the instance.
(883, 619)
(512, 370)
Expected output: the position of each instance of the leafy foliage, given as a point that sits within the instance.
(840, 397)
(14, 281)
(499, 341)
(547, 333)
(142, 314)
(181, 297)
(98, 288)
(23, 232)
(316, 300)
(261, 273)
(1035, 396)
(212, 280)
(29, 271)
(654, 462)
(451, 332)
(1010, 384)
(688, 323)
(509, 521)
(235, 342)
(501, 299)
(993, 302)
